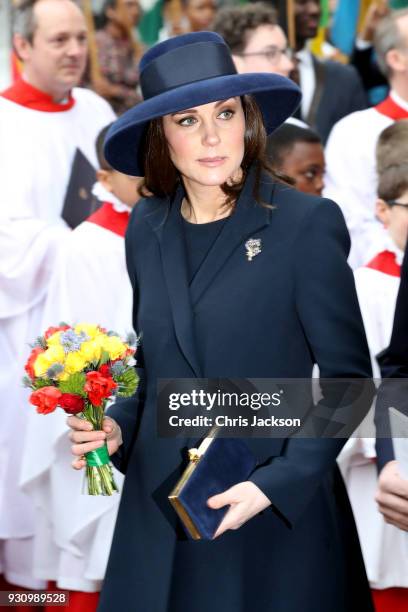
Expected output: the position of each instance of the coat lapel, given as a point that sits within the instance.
(172, 245)
(248, 218)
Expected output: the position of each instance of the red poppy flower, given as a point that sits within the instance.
(98, 387)
(46, 399)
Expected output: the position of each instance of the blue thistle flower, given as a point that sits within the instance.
(54, 370)
(117, 368)
(71, 341)
(39, 342)
(131, 339)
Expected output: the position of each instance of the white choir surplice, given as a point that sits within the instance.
(351, 178)
(89, 284)
(383, 546)
(38, 142)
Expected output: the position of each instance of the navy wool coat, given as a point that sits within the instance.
(292, 306)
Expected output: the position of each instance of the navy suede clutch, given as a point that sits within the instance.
(215, 466)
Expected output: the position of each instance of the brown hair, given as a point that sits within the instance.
(161, 177)
(392, 161)
(99, 144)
(236, 24)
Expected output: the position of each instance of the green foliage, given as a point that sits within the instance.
(39, 383)
(104, 357)
(74, 384)
(127, 382)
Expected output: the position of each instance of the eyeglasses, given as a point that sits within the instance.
(394, 203)
(272, 54)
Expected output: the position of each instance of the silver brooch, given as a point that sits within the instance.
(253, 247)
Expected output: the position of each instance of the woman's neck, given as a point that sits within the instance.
(203, 205)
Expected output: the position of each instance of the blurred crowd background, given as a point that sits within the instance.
(348, 141)
(120, 30)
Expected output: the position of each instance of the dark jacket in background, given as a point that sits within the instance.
(338, 92)
(365, 63)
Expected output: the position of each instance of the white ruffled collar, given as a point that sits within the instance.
(103, 195)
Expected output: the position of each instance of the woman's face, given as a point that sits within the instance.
(206, 143)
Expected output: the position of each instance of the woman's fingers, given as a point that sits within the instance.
(108, 424)
(86, 447)
(86, 436)
(232, 520)
(78, 464)
(79, 424)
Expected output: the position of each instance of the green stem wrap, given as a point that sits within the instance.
(99, 475)
(98, 457)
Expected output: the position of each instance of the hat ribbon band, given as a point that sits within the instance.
(185, 65)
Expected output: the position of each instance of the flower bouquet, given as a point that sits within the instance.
(79, 369)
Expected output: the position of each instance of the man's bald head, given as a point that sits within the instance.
(25, 19)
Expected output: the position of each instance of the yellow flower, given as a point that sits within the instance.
(88, 328)
(114, 346)
(91, 351)
(55, 354)
(55, 339)
(75, 362)
(41, 365)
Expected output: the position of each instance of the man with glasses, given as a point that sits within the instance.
(257, 42)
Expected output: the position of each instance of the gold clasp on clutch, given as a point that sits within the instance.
(194, 455)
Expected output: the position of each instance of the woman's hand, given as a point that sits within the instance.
(245, 500)
(86, 439)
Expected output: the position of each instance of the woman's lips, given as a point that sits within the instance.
(212, 161)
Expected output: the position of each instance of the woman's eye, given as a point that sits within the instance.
(187, 121)
(226, 114)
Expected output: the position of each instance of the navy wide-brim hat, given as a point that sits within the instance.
(184, 72)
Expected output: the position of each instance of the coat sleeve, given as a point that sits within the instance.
(328, 309)
(127, 412)
(393, 362)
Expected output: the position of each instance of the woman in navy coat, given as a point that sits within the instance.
(208, 305)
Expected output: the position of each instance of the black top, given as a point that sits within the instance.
(199, 238)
